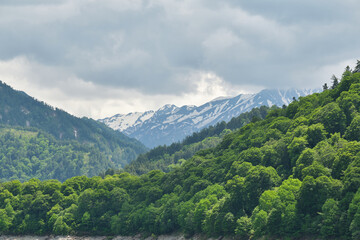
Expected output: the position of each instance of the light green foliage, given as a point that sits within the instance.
(331, 116)
(349, 101)
(353, 131)
(60, 227)
(295, 148)
(5, 221)
(354, 215)
(279, 204)
(259, 221)
(345, 155)
(352, 175)
(326, 153)
(252, 155)
(300, 121)
(244, 227)
(315, 170)
(306, 158)
(26, 154)
(239, 168)
(315, 134)
(330, 218)
(256, 182)
(218, 220)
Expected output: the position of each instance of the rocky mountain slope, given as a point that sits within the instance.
(171, 123)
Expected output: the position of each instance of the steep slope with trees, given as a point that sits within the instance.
(295, 173)
(19, 109)
(165, 157)
(27, 153)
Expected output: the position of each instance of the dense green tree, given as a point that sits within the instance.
(335, 82)
(353, 131)
(330, 218)
(5, 221)
(357, 67)
(331, 116)
(244, 227)
(307, 157)
(60, 227)
(355, 225)
(259, 221)
(315, 134)
(295, 148)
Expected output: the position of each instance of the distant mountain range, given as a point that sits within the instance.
(171, 123)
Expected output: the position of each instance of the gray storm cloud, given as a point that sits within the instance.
(155, 47)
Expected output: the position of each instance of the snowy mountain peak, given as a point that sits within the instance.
(220, 98)
(167, 107)
(122, 122)
(171, 123)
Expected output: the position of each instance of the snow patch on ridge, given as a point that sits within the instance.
(171, 123)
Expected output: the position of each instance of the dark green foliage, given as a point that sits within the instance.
(325, 87)
(357, 68)
(294, 173)
(335, 82)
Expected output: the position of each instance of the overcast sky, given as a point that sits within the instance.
(98, 58)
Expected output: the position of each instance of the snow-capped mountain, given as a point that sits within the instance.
(171, 123)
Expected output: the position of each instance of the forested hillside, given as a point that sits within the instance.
(294, 174)
(30, 153)
(165, 157)
(19, 109)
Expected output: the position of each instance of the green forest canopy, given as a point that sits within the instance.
(30, 153)
(295, 173)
